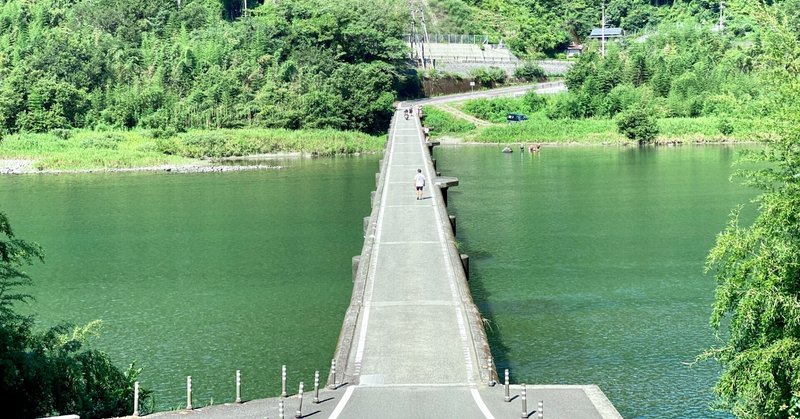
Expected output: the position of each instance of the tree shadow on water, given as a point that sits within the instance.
(481, 297)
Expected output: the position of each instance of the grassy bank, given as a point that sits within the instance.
(72, 150)
(539, 128)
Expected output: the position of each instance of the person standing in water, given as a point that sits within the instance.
(419, 183)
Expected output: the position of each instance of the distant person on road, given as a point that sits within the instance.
(419, 183)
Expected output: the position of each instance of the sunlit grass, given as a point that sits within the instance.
(76, 150)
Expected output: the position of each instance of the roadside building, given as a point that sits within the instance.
(607, 33)
(574, 50)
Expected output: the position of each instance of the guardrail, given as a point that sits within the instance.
(465, 59)
(449, 38)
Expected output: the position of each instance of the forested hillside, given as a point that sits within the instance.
(535, 28)
(169, 64)
(173, 65)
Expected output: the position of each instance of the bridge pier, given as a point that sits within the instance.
(453, 223)
(444, 183)
(433, 161)
(465, 265)
(431, 145)
(354, 263)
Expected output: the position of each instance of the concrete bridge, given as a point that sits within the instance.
(413, 343)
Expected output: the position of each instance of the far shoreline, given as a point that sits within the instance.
(21, 167)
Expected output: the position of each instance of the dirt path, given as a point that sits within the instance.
(460, 114)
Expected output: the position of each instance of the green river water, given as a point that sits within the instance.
(587, 261)
(201, 274)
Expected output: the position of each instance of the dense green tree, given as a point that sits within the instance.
(757, 267)
(51, 372)
(638, 125)
(178, 65)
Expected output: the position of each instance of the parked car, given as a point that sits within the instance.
(516, 117)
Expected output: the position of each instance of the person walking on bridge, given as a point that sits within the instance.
(419, 183)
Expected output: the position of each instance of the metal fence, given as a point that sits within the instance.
(449, 39)
(471, 59)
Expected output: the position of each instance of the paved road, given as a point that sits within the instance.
(559, 402)
(542, 88)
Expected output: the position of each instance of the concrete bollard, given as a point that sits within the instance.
(333, 374)
(524, 402)
(136, 399)
(283, 381)
(316, 387)
(189, 392)
(238, 386)
(299, 413)
(491, 375)
(508, 389)
(540, 409)
(281, 410)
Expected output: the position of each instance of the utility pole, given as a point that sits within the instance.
(603, 32)
(721, 16)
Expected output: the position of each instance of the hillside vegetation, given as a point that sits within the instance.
(538, 28)
(176, 65)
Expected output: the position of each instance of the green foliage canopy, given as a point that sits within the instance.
(51, 372)
(149, 64)
(757, 267)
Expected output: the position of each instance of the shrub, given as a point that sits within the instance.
(64, 134)
(488, 77)
(494, 110)
(109, 141)
(637, 124)
(534, 101)
(441, 122)
(725, 126)
(530, 71)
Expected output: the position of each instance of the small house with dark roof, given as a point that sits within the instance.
(574, 50)
(608, 33)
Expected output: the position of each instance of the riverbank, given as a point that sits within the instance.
(79, 151)
(26, 167)
(538, 128)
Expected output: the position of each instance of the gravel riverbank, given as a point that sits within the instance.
(25, 167)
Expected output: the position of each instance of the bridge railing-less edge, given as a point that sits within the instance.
(343, 372)
(487, 371)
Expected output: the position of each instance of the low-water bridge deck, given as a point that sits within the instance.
(413, 344)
